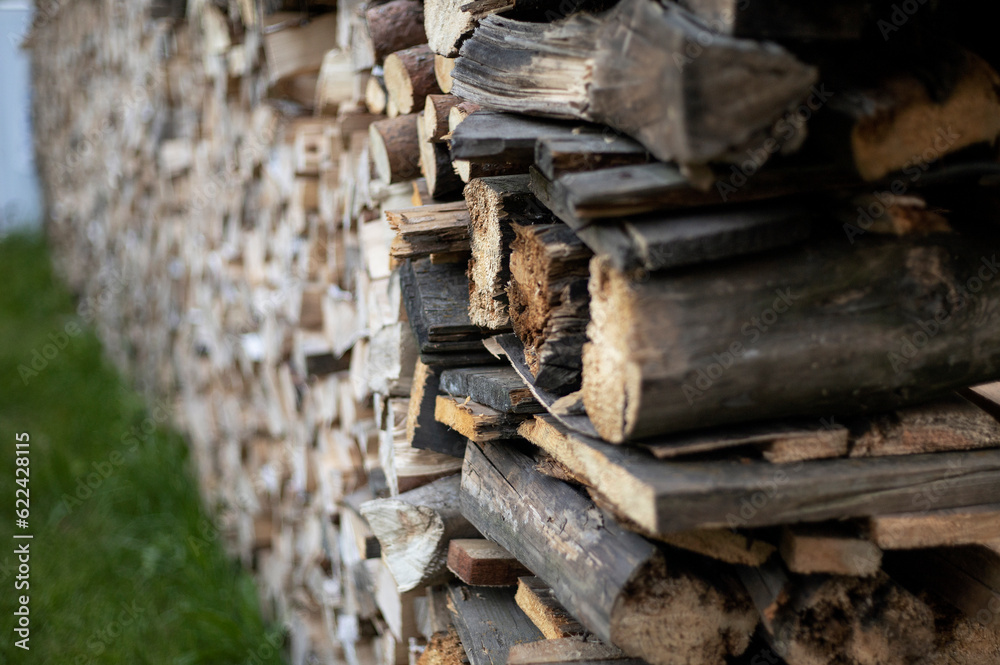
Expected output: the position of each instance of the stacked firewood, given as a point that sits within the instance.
(512, 333)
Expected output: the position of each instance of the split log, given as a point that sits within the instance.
(575, 68)
(435, 164)
(430, 229)
(459, 113)
(395, 26)
(650, 369)
(495, 206)
(474, 421)
(376, 97)
(557, 155)
(537, 600)
(442, 71)
(617, 584)
(422, 429)
(409, 78)
(948, 424)
(818, 620)
(395, 148)
(827, 549)
(665, 497)
(436, 110)
(446, 26)
(436, 299)
(480, 562)
(489, 623)
(414, 530)
(549, 305)
(499, 388)
(937, 528)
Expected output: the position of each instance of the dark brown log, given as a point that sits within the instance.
(430, 229)
(487, 136)
(665, 497)
(499, 388)
(617, 584)
(394, 26)
(395, 148)
(480, 562)
(414, 530)
(650, 368)
(633, 69)
(817, 620)
(489, 623)
(549, 305)
(436, 110)
(495, 206)
(409, 78)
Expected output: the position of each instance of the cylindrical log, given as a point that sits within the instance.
(832, 327)
(414, 530)
(442, 72)
(436, 109)
(395, 26)
(435, 164)
(409, 78)
(375, 95)
(616, 583)
(395, 149)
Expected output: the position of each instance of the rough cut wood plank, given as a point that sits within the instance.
(948, 424)
(480, 562)
(537, 600)
(474, 421)
(430, 229)
(664, 496)
(936, 528)
(549, 304)
(488, 136)
(622, 69)
(669, 353)
(495, 206)
(986, 397)
(489, 623)
(422, 430)
(825, 549)
(568, 650)
(414, 530)
(617, 584)
(556, 155)
(499, 388)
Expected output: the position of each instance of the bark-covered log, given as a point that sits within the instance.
(617, 584)
(860, 327)
(436, 110)
(394, 26)
(395, 148)
(415, 528)
(409, 78)
(435, 163)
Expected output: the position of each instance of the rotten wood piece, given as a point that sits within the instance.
(947, 424)
(474, 421)
(432, 229)
(537, 600)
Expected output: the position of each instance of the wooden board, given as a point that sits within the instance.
(480, 562)
(500, 388)
(489, 623)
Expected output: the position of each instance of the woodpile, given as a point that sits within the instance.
(646, 332)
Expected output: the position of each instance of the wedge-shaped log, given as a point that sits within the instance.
(616, 583)
(632, 68)
(414, 530)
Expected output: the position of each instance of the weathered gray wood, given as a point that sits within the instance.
(422, 430)
(488, 136)
(586, 151)
(436, 299)
(499, 388)
(549, 304)
(481, 562)
(897, 321)
(664, 496)
(617, 584)
(489, 623)
(414, 530)
(429, 229)
(632, 69)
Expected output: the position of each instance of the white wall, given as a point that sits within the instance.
(19, 192)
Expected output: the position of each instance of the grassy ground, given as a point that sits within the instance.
(124, 567)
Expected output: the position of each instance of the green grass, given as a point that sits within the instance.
(131, 572)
